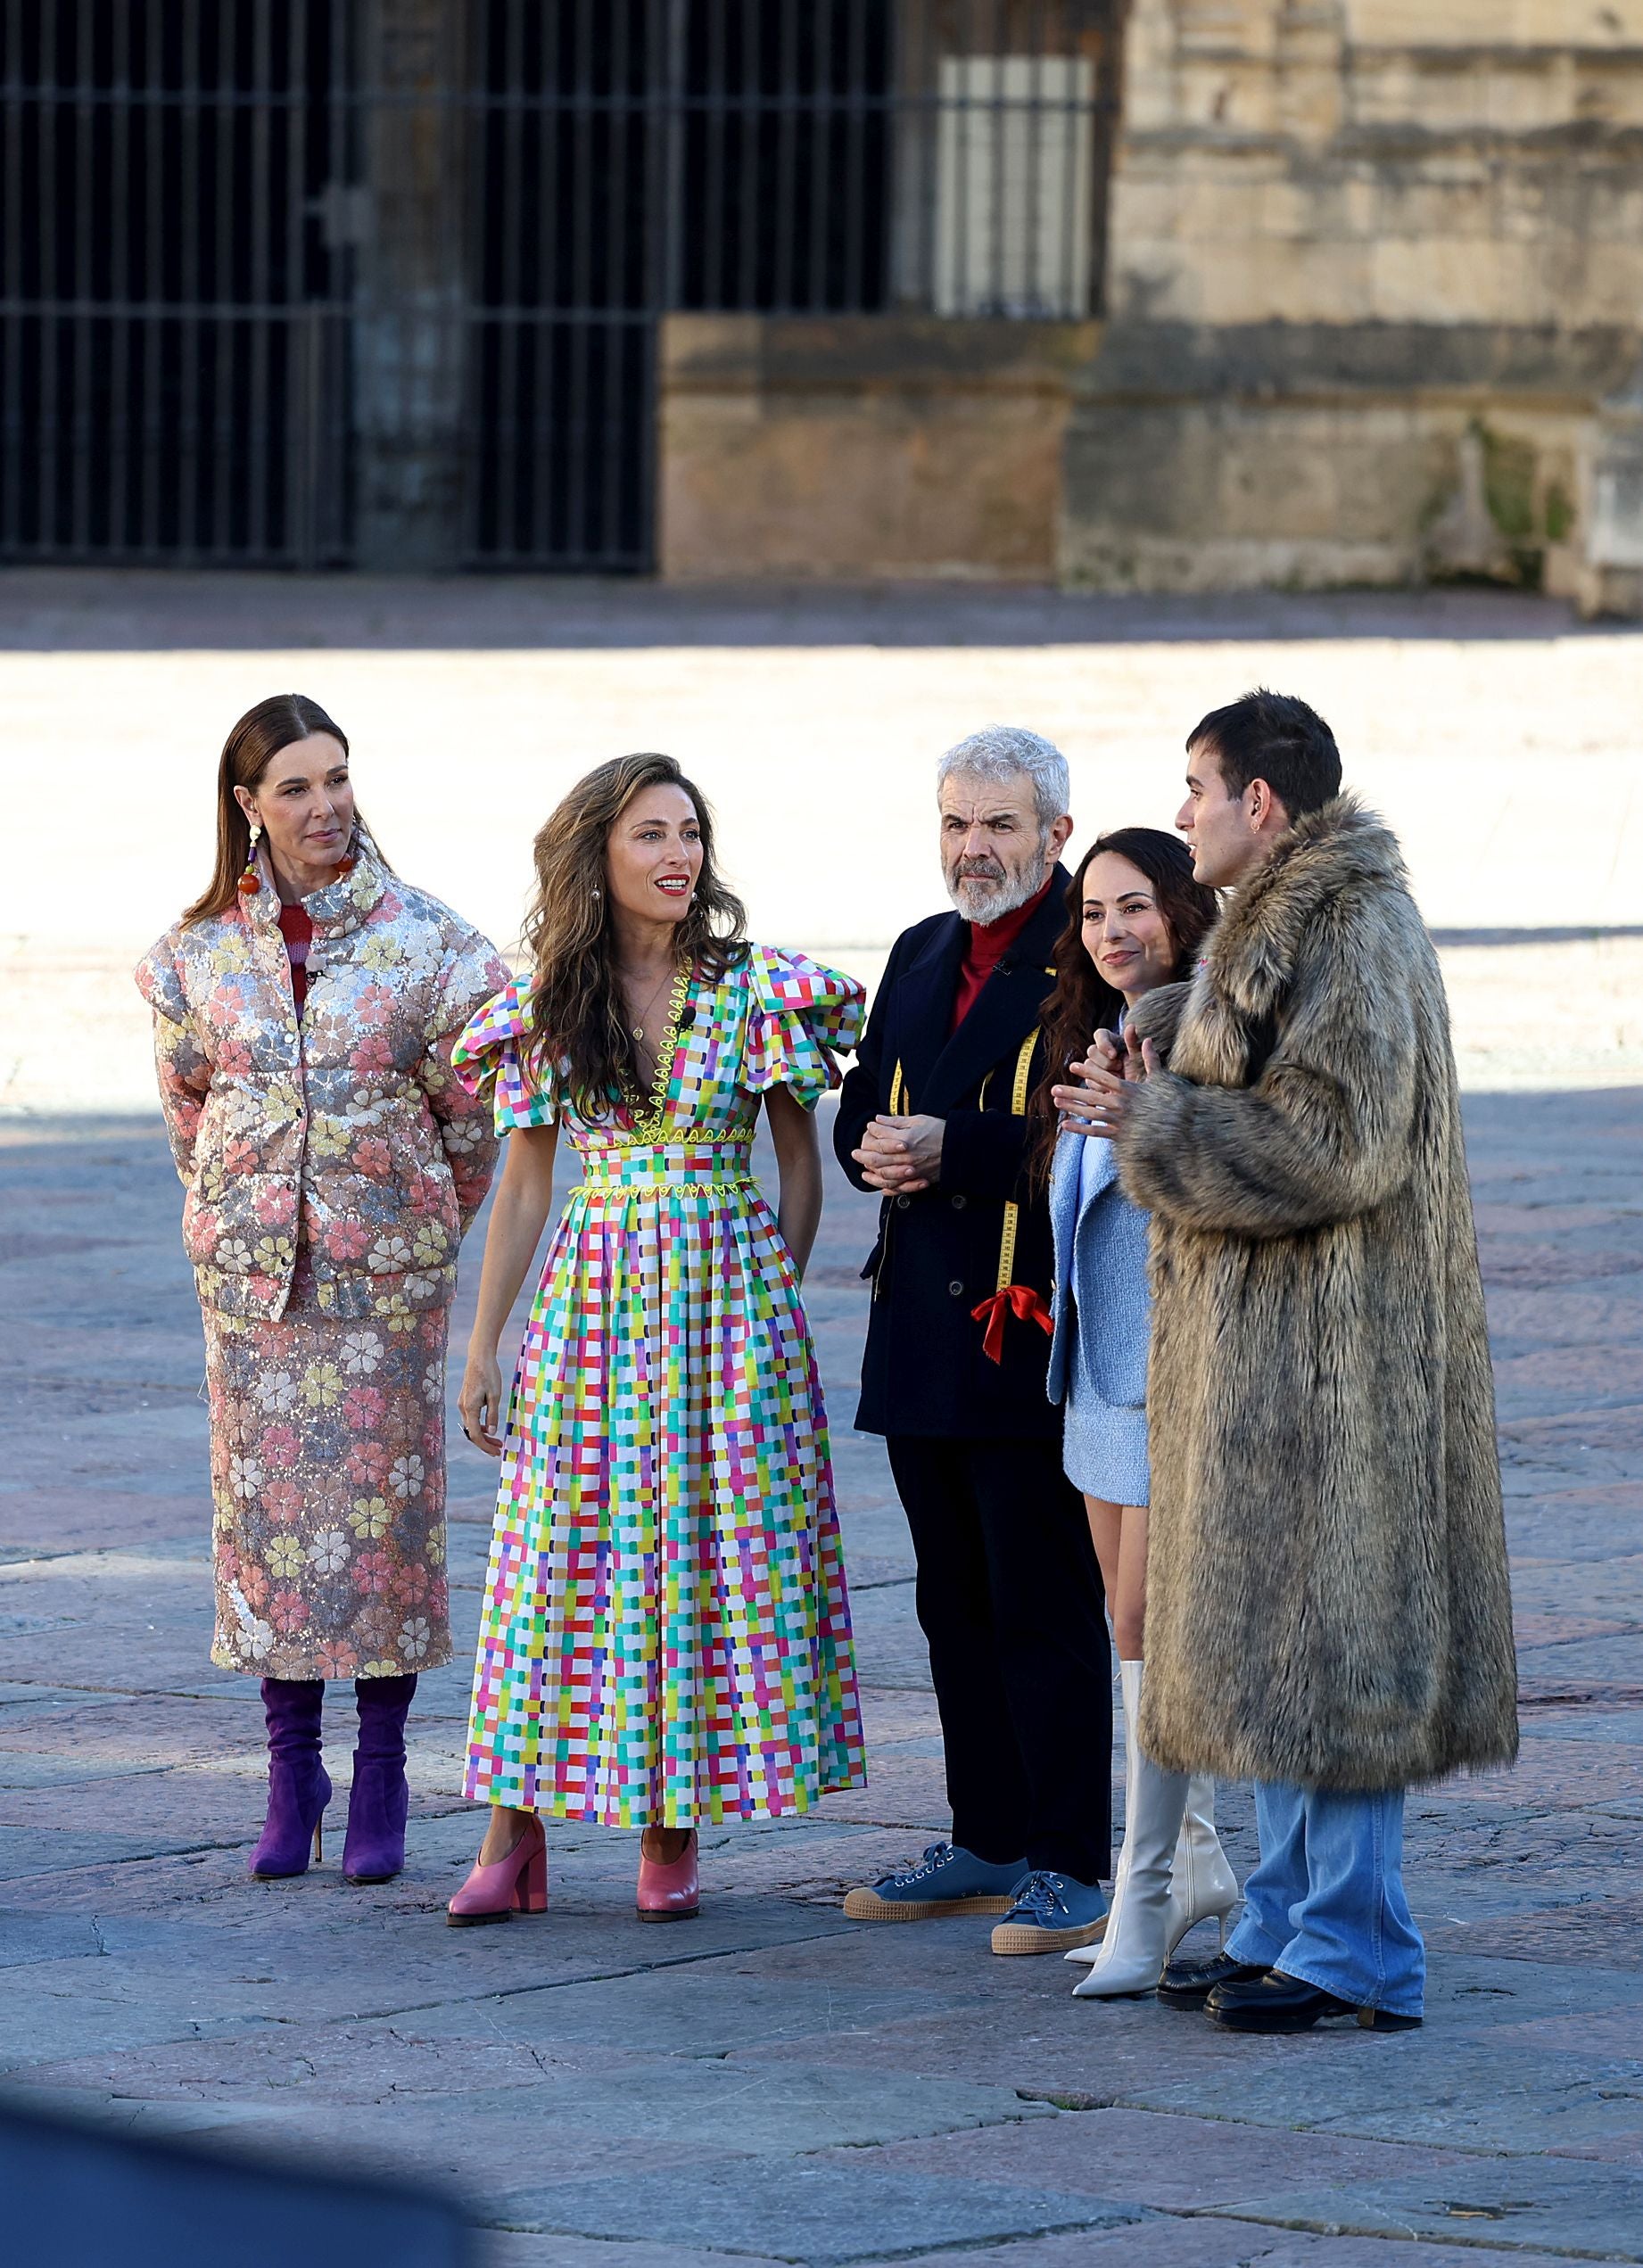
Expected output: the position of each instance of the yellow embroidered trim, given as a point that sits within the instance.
(650, 1121)
(898, 1088)
(603, 1189)
(686, 1137)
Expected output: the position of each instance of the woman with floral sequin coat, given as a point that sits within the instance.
(305, 1007)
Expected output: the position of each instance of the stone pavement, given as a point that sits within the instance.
(772, 2083)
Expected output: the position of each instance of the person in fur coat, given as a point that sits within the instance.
(1328, 1608)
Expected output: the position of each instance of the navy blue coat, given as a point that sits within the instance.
(924, 1370)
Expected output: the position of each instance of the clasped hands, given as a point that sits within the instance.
(900, 1154)
(1101, 1088)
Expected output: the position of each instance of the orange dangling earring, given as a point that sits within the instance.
(251, 881)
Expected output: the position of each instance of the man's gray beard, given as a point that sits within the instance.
(981, 901)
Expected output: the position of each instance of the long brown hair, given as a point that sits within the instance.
(577, 1012)
(1083, 1001)
(275, 724)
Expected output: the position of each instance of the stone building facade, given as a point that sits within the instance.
(1373, 313)
(1156, 294)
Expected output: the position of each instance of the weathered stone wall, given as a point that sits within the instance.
(868, 445)
(1375, 299)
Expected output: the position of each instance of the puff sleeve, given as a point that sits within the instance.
(489, 1059)
(799, 1016)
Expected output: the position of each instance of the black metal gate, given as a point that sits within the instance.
(375, 283)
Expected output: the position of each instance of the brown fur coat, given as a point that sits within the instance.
(1328, 1598)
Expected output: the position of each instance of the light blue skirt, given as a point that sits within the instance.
(1104, 1445)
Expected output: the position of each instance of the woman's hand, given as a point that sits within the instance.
(480, 1401)
(1094, 1093)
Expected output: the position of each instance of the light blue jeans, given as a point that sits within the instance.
(1326, 1902)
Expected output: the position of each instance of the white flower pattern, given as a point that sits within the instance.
(331, 1167)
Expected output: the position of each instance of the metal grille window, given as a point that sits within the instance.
(160, 376)
(1012, 202)
(376, 282)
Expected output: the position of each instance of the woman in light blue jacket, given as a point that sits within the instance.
(1136, 921)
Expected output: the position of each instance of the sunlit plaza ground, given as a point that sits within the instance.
(788, 2085)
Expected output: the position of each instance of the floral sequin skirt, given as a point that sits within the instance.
(328, 1479)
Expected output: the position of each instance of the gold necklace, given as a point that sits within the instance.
(666, 986)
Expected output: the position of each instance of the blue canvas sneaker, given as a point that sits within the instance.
(1051, 1914)
(946, 1880)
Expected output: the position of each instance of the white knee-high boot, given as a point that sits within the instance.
(1202, 1886)
(1130, 1691)
(1137, 1944)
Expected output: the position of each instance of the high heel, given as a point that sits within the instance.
(379, 1800)
(1202, 1886)
(671, 1892)
(514, 1884)
(1135, 1947)
(299, 1788)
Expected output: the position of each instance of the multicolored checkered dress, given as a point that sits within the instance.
(666, 1636)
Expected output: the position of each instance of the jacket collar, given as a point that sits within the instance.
(1250, 955)
(339, 906)
(941, 1067)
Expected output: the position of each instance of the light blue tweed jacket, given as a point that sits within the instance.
(1101, 1278)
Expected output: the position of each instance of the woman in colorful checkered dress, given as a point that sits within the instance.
(666, 1636)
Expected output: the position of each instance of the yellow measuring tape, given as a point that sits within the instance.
(1013, 1211)
(1018, 1107)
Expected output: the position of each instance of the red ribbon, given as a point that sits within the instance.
(1015, 1299)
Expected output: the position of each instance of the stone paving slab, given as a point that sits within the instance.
(1171, 2243)
(1594, 2215)
(515, 2249)
(1472, 2096)
(822, 2215)
(1164, 2162)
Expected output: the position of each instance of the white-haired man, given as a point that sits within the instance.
(1009, 1593)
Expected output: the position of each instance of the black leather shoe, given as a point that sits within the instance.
(1188, 1984)
(1273, 2002)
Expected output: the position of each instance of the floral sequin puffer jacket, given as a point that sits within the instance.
(346, 1134)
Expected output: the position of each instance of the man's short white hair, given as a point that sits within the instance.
(1002, 753)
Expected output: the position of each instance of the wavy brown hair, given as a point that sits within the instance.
(577, 1012)
(1083, 1001)
(275, 724)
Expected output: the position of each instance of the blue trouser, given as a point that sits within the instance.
(1326, 1902)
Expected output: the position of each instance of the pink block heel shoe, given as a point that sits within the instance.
(515, 1884)
(671, 1892)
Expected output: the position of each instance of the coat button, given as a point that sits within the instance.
(956, 1289)
(902, 1203)
(957, 1204)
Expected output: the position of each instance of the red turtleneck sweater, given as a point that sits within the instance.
(298, 931)
(989, 942)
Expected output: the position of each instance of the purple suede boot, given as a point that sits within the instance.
(298, 1788)
(379, 1799)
